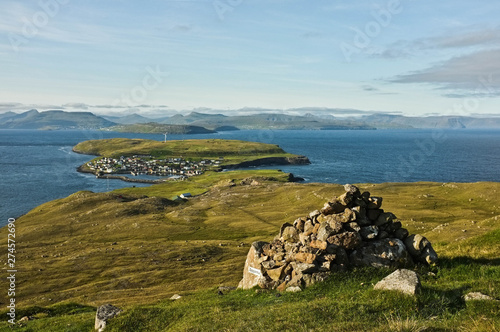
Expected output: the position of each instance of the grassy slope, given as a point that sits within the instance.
(233, 151)
(67, 254)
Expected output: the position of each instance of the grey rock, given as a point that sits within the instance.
(352, 190)
(374, 203)
(384, 218)
(104, 313)
(420, 249)
(401, 233)
(347, 240)
(294, 289)
(314, 214)
(226, 289)
(332, 207)
(369, 232)
(301, 268)
(252, 271)
(308, 227)
(324, 231)
(381, 253)
(361, 217)
(290, 234)
(478, 296)
(299, 224)
(405, 281)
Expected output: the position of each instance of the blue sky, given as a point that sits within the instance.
(413, 57)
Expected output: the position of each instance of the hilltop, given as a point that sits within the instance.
(135, 248)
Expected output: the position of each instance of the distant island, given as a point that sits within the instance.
(183, 158)
(158, 128)
(203, 123)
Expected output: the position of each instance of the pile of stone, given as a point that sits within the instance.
(350, 230)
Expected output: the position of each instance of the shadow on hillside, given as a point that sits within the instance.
(455, 262)
(435, 301)
(59, 309)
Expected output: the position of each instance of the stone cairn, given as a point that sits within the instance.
(350, 230)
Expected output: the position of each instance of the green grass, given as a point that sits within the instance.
(233, 151)
(135, 252)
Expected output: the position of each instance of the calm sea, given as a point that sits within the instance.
(39, 166)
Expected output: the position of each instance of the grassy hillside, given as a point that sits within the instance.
(135, 252)
(233, 151)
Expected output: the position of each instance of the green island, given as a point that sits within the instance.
(136, 247)
(227, 153)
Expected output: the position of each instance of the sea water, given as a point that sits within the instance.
(39, 166)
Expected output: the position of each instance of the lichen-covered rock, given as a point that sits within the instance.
(404, 281)
(253, 269)
(104, 313)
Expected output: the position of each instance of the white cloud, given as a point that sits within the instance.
(478, 71)
(466, 38)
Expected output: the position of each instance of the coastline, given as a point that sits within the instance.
(269, 161)
(299, 160)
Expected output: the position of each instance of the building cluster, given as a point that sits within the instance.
(145, 164)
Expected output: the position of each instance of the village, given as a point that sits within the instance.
(146, 165)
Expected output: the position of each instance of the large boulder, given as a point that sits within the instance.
(404, 281)
(253, 268)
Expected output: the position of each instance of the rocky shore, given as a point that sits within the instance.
(299, 160)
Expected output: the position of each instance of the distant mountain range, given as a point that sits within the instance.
(399, 121)
(51, 120)
(265, 121)
(196, 122)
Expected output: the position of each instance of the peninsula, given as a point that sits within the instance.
(182, 158)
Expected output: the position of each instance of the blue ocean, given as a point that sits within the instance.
(39, 166)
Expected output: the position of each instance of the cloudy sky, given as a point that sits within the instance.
(411, 56)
